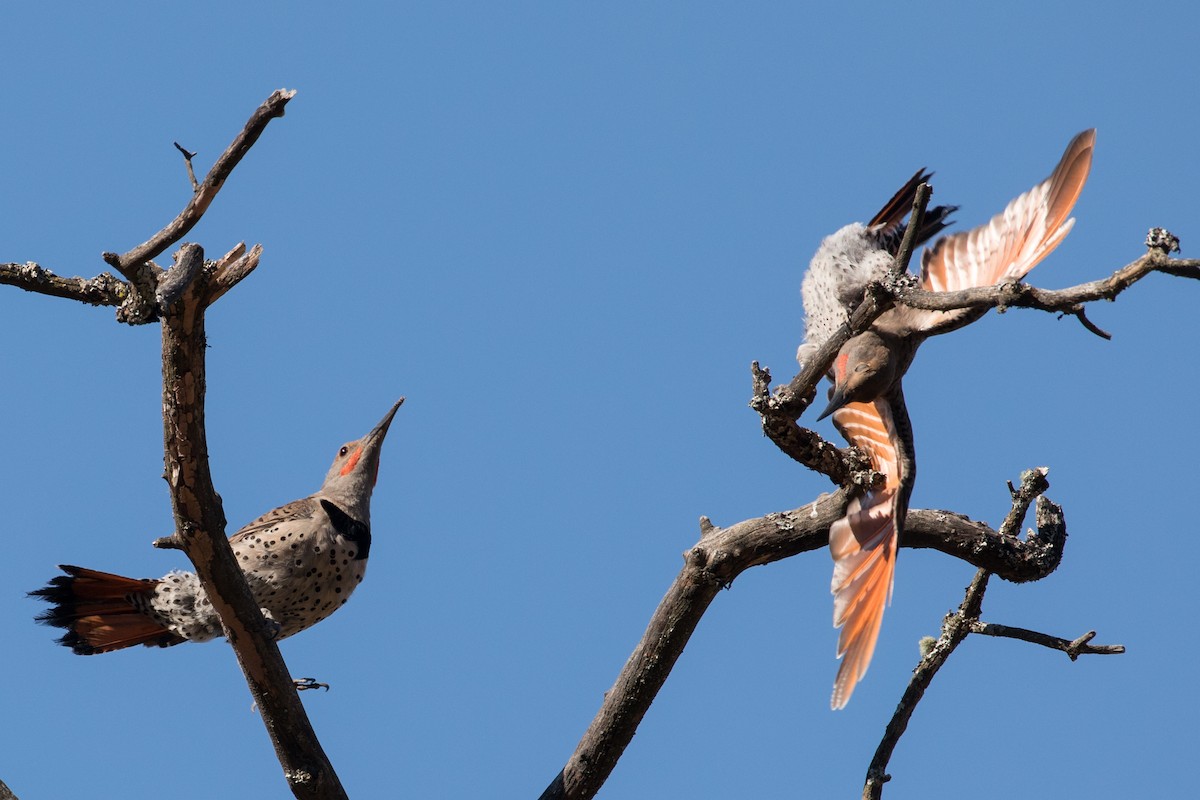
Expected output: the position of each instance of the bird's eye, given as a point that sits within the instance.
(861, 367)
(342, 452)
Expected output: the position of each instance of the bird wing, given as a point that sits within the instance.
(297, 509)
(863, 543)
(1011, 244)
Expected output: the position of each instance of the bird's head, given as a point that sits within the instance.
(356, 465)
(864, 370)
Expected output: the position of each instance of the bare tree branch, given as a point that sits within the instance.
(135, 297)
(137, 266)
(187, 160)
(232, 268)
(958, 625)
(1019, 295)
(200, 532)
(721, 555)
(180, 297)
(1074, 648)
(954, 630)
(780, 409)
(805, 446)
(909, 242)
(102, 290)
(175, 230)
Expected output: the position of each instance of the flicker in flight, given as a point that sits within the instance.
(866, 399)
(301, 560)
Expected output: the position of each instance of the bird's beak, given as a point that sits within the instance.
(837, 399)
(379, 431)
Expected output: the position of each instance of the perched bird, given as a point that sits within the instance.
(866, 399)
(302, 561)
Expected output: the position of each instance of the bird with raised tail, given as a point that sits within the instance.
(866, 398)
(302, 562)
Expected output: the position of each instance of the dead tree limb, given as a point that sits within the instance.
(102, 290)
(179, 297)
(779, 409)
(720, 556)
(965, 621)
(134, 296)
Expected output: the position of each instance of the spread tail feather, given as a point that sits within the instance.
(98, 612)
(863, 543)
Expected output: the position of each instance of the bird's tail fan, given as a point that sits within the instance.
(100, 613)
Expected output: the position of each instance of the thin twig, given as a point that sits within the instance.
(909, 242)
(1074, 648)
(1081, 314)
(187, 160)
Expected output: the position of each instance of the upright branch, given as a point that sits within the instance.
(179, 297)
(187, 291)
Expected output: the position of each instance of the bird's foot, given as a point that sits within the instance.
(309, 683)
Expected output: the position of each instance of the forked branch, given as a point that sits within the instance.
(965, 621)
(720, 556)
(179, 297)
(136, 296)
(779, 409)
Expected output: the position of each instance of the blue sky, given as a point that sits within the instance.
(564, 231)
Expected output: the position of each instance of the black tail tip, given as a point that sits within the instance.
(62, 614)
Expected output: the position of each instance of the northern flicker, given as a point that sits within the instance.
(302, 561)
(867, 400)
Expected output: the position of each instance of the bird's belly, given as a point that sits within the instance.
(302, 587)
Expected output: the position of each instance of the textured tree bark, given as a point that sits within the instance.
(200, 526)
(721, 555)
(179, 297)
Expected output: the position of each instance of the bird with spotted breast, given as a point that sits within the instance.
(302, 562)
(866, 398)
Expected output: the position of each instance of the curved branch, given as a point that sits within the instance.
(959, 624)
(722, 554)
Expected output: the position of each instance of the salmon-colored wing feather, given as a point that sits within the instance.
(1020, 236)
(863, 544)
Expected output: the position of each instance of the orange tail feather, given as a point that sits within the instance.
(98, 612)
